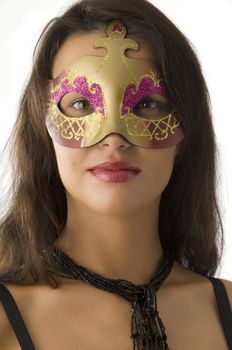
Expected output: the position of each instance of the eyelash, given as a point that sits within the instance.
(136, 107)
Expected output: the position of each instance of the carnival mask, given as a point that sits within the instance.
(116, 88)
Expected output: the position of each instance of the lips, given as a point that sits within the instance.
(114, 172)
(115, 166)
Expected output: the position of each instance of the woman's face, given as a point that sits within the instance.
(86, 190)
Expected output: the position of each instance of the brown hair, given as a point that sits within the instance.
(190, 222)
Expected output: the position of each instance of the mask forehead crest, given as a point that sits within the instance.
(115, 40)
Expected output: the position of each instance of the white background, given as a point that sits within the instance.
(206, 23)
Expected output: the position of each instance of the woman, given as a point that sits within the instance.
(111, 236)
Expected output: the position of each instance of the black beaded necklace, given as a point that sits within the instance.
(147, 329)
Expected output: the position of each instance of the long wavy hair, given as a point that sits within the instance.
(36, 209)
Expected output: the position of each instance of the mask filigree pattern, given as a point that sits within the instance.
(153, 129)
(76, 128)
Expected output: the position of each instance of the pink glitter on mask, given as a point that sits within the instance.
(147, 87)
(117, 28)
(81, 86)
(65, 88)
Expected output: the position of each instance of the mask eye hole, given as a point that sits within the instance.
(154, 106)
(74, 105)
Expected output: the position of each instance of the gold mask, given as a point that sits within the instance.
(115, 86)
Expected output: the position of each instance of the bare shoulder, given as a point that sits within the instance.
(24, 297)
(20, 293)
(190, 296)
(198, 282)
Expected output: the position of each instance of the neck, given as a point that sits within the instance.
(115, 246)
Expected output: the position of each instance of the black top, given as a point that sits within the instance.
(26, 343)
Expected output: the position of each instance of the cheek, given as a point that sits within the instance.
(69, 162)
(159, 169)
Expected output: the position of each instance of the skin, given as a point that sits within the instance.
(112, 228)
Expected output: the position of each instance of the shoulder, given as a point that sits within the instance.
(23, 296)
(199, 284)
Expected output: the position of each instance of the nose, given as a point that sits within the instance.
(114, 141)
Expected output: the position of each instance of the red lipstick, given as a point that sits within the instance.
(115, 172)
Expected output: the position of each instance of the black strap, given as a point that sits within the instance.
(15, 319)
(223, 307)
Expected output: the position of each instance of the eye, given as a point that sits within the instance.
(151, 107)
(81, 105)
(147, 103)
(74, 105)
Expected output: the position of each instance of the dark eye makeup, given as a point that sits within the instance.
(153, 107)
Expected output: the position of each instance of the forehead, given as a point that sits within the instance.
(81, 44)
